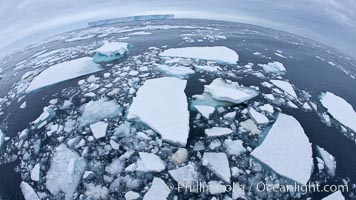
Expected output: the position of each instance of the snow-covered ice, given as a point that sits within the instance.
(47, 114)
(259, 118)
(286, 150)
(99, 129)
(250, 126)
(65, 173)
(110, 51)
(273, 67)
(339, 109)
(328, 159)
(285, 86)
(230, 92)
(180, 156)
(187, 175)
(215, 53)
(35, 172)
(140, 33)
(159, 190)
(218, 164)
(179, 72)
(206, 111)
(162, 104)
(335, 196)
(28, 192)
(2, 136)
(217, 131)
(234, 147)
(130, 195)
(64, 71)
(149, 162)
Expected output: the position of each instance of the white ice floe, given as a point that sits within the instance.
(285, 86)
(207, 68)
(218, 164)
(187, 175)
(99, 129)
(206, 111)
(250, 126)
(273, 67)
(65, 173)
(130, 195)
(179, 72)
(259, 118)
(162, 104)
(110, 51)
(64, 71)
(216, 53)
(217, 131)
(149, 162)
(47, 114)
(98, 110)
(339, 109)
(28, 192)
(286, 150)
(267, 107)
(2, 136)
(159, 190)
(35, 172)
(335, 196)
(140, 33)
(180, 156)
(328, 159)
(230, 92)
(234, 147)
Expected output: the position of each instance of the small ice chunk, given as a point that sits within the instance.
(216, 53)
(2, 136)
(329, 160)
(234, 147)
(250, 126)
(28, 192)
(180, 156)
(335, 196)
(218, 164)
(285, 86)
(115, 167)
(220, 90)
(111, 51)
(187, 175)
(65, 172)
(286, 150)
(45, 117)
(273, 67)
(206, 111)
(179, 72)
(99, 129)
(159, 190)
(267, 108)
(259, 118)
(35, 172)
(206, 68)
(217, 131)
(167, 95)
(339, 109)
(63, 72)
(216, 187)
(149, 162)
(96, 191)
(130, 195)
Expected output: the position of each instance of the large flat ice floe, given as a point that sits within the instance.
(162, 104)
(111, 51)
(159, 190)
(230, 92)
(285, 86)
(64, 71)
(216, 53)
(218, 164)
(65, 173)
(340, 109)
(286, 150)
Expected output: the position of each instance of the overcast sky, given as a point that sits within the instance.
(332, 22)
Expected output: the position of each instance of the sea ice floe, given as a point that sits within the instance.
(287, 150)
(215, 53)
(234, 147)
(99, 129)
(28, 192)
(130, 195)
(339, 109)
(285, 86)
(180, 156)
(328, 160)
(267, 107)
(110, 51)
(35, 172)
(259, 118)
(64, 71)
(273, 67)
(206, 111)
(335, 196)
(207, 68)
(217, 131)
(2, 136)
(47, 115)
(140, 33)
(230, 92)
(149, 162)
(159, 190)
(65, 172)
(186, 176)
(162, 104)
(98, 110)
(179, 72)
(218, 164)
(250, 126)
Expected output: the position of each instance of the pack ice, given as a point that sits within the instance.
(215, 53)
(162, 104)
(287, 150)
(110, 51)
(63, 72)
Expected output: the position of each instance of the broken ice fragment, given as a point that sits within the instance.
(285, 86)
(47, 115)
(35, 172)
(63, 72)
(28, 192)
(339, 109)
(273, 67)
(218, 164)
(328, 159)
(259, 118)
(217, 131)
(186, 176)
(149, 162)
(180, 156)
(65, 172)
(250, 126)
(216, 53)
(167, 96)
(179, 72)
(286, 150)
(110, 51)
(99, 129)
(206, 111)
(130, 195)
(2, 136)
(158, 190)
(335, 196)
(234, 147)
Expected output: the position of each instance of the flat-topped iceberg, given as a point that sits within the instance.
(215, 53)
(230, 92)
(162, 104)
(111, 51)
(286, 150)
(159, 190)
(273, 67)
(65, 173)
(64, 71)
(285, 86)
(179, 72)
(340, 109)
(218, 164)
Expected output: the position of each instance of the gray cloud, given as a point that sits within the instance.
(332, 22)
